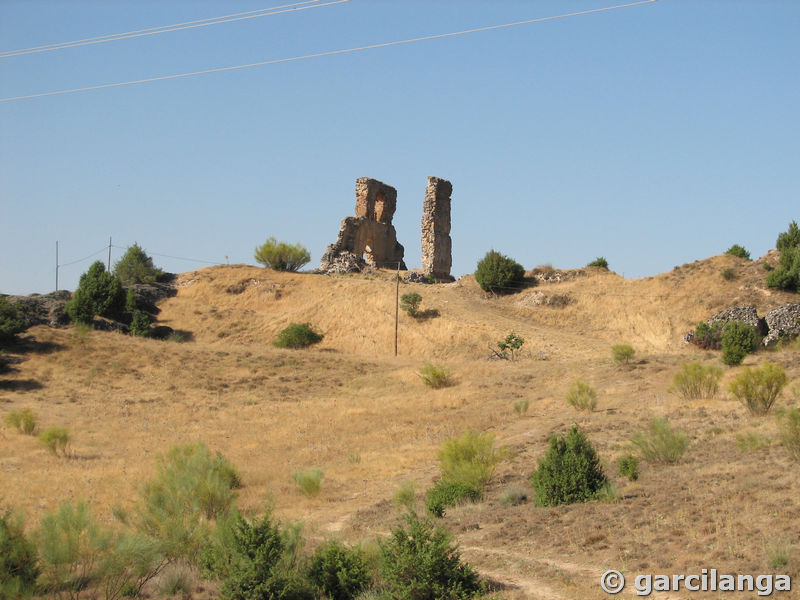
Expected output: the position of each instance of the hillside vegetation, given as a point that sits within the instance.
(364, 417)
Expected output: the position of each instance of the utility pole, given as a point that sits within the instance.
(56, 265)
(397, 309)
(109, 254)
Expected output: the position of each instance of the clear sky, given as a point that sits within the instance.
(652, 135)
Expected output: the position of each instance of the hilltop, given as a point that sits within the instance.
(350, 407)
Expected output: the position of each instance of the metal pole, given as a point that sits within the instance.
(109, 254)
(397, 309)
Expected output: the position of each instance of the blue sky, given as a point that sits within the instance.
(651, 135)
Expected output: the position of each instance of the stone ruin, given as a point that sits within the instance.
(369, 239)
(436, 243)
(782, 322)
(369, 234)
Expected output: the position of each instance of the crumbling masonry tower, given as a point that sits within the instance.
(437, 258)
(370, 238)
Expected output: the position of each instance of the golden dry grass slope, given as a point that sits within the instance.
(362, 415)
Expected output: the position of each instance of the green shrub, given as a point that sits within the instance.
(140, 325)
(628, 467)
(661, 444)
(435, 376)
(470, 458)
(790, 433)
(789, 238)
(55, 439)
(738, 340)
(728, 274)
(695, 381)
(298, 335)
(10, 323)
(514, 496)
(521, 406)
(281, 256)
(405, 496)
(421, 562)
(622, 353)
(18, 558)
(99, 293)
(136, 266)
(582, 396)
(737, 250)
(309, 482)
(130, 301)
(340, 572)
(509, 347)
(599, 262)
(786, 276)
(261, 565)
(758, 388)
(569, 472)
(498, 273)
(446, 493)
(192, 486)
(71, 549)
(208, 477)
(778, 554)
(220, 552)
(24, 420)
(708, 337)
(410, 303)
(133, 560)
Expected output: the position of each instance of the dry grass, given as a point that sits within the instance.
(274, 412)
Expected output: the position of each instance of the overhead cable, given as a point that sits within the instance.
(255, 14)
(321, 54)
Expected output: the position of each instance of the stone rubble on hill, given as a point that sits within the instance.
(745, 314)
(340, 262)
(42, 309)
(781, 322)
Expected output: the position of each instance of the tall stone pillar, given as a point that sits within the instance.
(437, 256)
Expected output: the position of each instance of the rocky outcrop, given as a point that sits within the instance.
(42, 309)
(416, 277)
(341, 262)
(551, 275)
(369, 236)
(436, 243)
(745, 314)
(148, 294)
(783, 322)
(539, 298)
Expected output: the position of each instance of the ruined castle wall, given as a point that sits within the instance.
(437, 258)
(369, 236)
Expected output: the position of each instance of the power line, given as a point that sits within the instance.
(208, 262)
(254, 14)
(327, 53)
(103, 249)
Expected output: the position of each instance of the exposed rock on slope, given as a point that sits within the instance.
(42, 309)
(783, 321)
